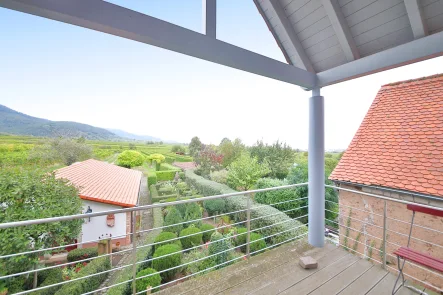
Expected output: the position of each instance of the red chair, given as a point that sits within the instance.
(406, 253)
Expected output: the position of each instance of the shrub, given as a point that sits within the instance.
(198, 266)
(164, 191)
(83, 253)
(164, 239)
(178, 149)
(240, 237)
(219, 176)
(90, 283)
(207, 230)
(169, 159)
(219, 246)
(214, 207)
(172, 218)
(169, 261)
(166, 175)
(192, 241)
(182, 175)
(278, 196)
(53, 276)
(193, 212)
(245, 171)
(152, 178)
(130, 159)
(154, 280)
(166, 167)
(257, 243)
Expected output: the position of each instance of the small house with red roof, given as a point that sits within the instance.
(397, 153)
(103, 187)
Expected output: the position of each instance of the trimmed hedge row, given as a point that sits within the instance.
(53, 276)
(152, 178)
(281, 221)
(166, 175)
(166, 167)
(91, 283)
(82, 253)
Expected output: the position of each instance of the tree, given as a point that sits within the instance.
(158, 159)
(208, 159)
(279, 157)
(27, 195)
(245, 171)
(178, 149)
(195, 146)
(130, 159)
(230, 150)
(62, 150)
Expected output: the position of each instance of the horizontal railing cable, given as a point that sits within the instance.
(342, 205)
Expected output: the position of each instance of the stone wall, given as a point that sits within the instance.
(366, 223)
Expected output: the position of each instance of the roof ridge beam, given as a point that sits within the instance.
(301, 57)
(341, 29)
(112, 19)
(415, 15)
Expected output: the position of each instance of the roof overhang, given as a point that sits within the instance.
(106, 201)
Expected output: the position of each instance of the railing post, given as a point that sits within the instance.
(134, 252)
(248, 227)
(385, 211)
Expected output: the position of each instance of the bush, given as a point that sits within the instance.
(166, 175)
(152, 178)
(153, 281)
(214, 207)
(172, 218)
(207, 230)
(90, 283)
(166, 167)
(182, 175)
(193, 212)
(83, 253)
(164, 239)
(278, 196)
(220, 247)
(178, 149)
(130, 159)
(240, 237)
(192, 241)
(169, 261)
(256, 243)
(219, 176)
(53, 276)
(198, 266)
(169, 159)
(153, 190)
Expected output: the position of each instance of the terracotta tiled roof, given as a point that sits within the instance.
(102, 182)
(400, 141)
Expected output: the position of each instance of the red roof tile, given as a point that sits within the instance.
(102, 182)
(400, 142)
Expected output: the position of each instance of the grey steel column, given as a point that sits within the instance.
(316, 173)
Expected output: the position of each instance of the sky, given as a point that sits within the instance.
(62, 72)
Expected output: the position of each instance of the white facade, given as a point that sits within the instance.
(97, 227)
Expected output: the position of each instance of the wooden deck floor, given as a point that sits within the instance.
(277, 272)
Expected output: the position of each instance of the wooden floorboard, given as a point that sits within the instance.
(384, 287)
(365, 282)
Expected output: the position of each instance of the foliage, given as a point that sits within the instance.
(182, 175)
(208, 159)
(220, 247)
(279, 157)
(257, 243)
(166, 167)
(230, 151)
(172, 260)
(207, 230)
(90, 283)
(27, 195)
(278, 196)
(172, 218)
(152, 178)
(62, 150)
(154, 280)
(157, 159)
(197, 263)
(53, 276)
(195, 146)
(165, 238)
(82, 253)
(219, 176)
(193, 212)
(194, 240)
(240, 237)
(166, 175)
(245, 171)
(179, 149)
(214, 207)
(130, 159)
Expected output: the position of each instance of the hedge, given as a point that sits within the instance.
(192, 241)
(152, 178)
(153, 191)
(164, 198)
(214, 207)
(172, 219)
(181, 158)
(153, 281)
(166, 175)
(91, 283)
(164, 238)
(167, 262)
(182, 175)
(82, 253)
(166, 167)
(280, 221)
(193, 212)
(53, 276)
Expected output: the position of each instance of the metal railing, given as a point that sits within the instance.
(377, 229)
(277, 233)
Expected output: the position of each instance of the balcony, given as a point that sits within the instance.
(273, 268)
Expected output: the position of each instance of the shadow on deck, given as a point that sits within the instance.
(278, 272)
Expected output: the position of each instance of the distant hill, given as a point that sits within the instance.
(128, 135)
(13, 122)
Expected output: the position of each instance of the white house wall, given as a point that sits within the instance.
(97, 227)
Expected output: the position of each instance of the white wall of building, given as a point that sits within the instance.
(97, 227)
